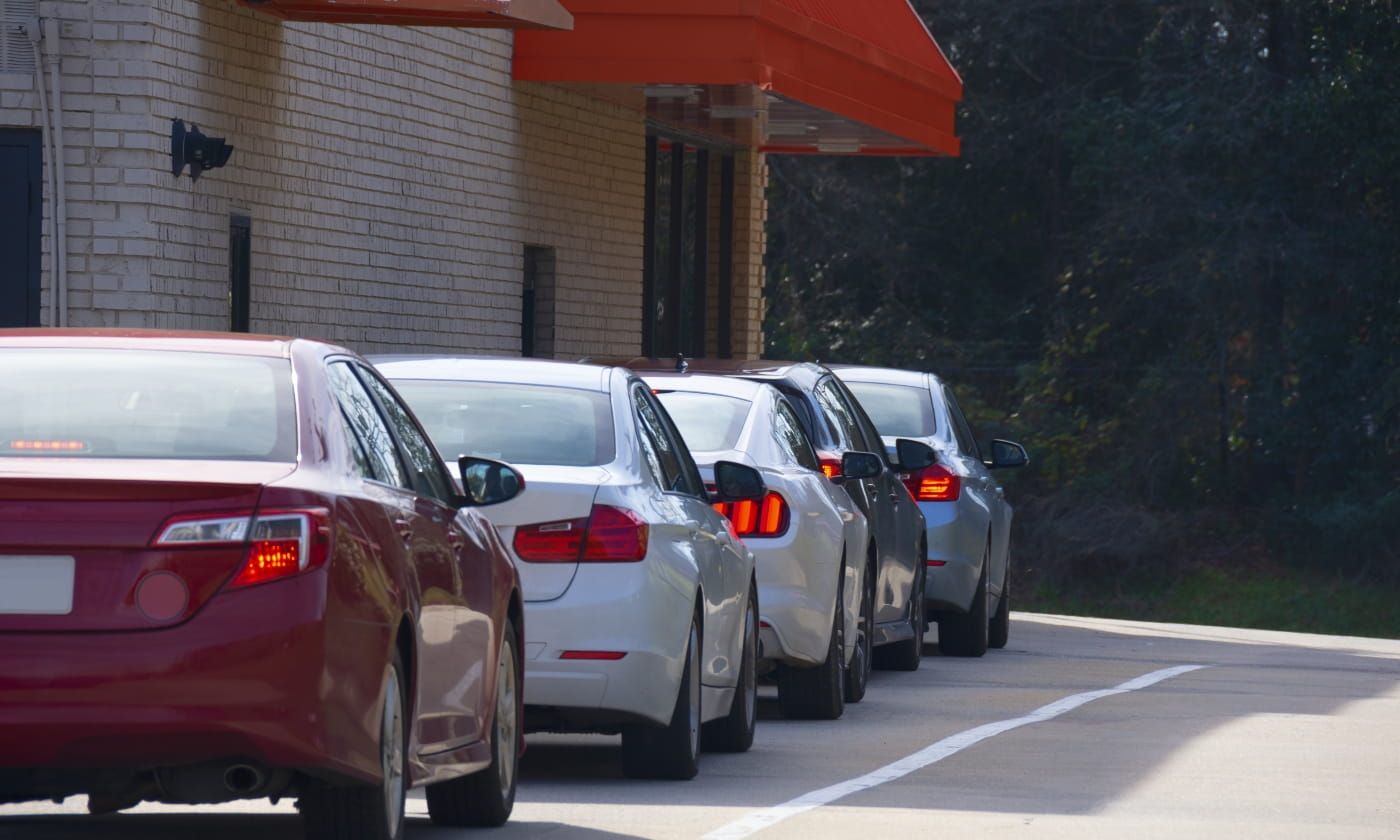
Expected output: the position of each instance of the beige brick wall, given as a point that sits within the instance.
(393, 177)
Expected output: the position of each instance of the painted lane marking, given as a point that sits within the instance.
(932, 754)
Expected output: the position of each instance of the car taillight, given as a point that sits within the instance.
(766, 518)
(607, 535)
(831, 465)
(933, 484)
(281, 543)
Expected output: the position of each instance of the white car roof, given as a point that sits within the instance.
(495, 369)
(726, 386)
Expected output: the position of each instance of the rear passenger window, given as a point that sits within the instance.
(364, 419)
(791, 438)
(967, 442)
(840, 414)
(659, 451)
(429, 478)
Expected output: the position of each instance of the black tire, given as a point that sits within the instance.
(858, 672)
(367, 812)
(966, 635)
(906, 655)
(485, 798)
(733, 733)
(818, 693)
(671, 751)
(999, 632)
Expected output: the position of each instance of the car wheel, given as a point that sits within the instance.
(1000, 630)
(734, 732)
(966, 635)
(486, 798)
(858, 672)
(367, 812)
(818, 693)
(672, 751)
(907, 654)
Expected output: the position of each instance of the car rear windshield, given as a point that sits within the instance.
(161, 404)
(522, 424)
(708, 422)
(896, 410)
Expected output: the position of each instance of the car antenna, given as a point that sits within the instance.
(681, 364)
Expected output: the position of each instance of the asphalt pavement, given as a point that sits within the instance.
(1079, 728)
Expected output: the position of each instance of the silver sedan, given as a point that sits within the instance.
(967, 580)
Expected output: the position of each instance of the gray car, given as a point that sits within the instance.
(967, 585)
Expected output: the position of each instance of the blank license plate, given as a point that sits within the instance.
(36, 585)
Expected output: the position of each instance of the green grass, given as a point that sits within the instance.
(1272, 598)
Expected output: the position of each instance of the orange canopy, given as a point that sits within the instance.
(801, 76)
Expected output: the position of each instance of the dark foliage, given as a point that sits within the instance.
(1168, 259)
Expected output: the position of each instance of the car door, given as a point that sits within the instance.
(982, 503)
(882, 512)
(685, 492)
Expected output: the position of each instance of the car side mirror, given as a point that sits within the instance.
(861, 465)
(737, 482)
(487, 482)
(914, 455)
(1007, 453)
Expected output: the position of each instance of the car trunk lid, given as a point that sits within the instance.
(552, 494)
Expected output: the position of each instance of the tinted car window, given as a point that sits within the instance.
(690, 474)
(426, 467)
(363, 464)
(707, 422)
(146, 404)
(896, 410)
(834, 406)
(522, 424)
(791, 438)
(961, 430)
(364, 418)
(660, 451)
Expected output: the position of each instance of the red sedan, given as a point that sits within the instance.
(233, 567)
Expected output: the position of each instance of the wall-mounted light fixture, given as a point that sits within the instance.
(188, 146)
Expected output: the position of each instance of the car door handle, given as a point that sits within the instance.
(405, 529)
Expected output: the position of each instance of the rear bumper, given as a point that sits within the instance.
(949, 587)
(244, 678)
(794, 603)
(623, 608)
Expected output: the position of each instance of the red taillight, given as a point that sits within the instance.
(766, 518)
(934, 484)
(831, 465)
(281, 543)
(608, 535)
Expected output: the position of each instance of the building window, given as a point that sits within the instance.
(537, 303)
(677, 259)
(21, 210)
(240, 250)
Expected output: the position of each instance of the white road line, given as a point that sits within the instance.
(933, 753)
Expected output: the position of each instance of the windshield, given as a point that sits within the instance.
(146, 404)
(708, 422)
(520, 424)
(896, 410)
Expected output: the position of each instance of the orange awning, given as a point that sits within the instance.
(496, 14)
(795, 76)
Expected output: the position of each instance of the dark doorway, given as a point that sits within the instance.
(537, 303)
(677, 259)
(240, 280)
(21, 211)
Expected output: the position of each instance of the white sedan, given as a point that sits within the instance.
(810, 540)
(641, 613)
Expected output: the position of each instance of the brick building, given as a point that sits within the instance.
(571, 178)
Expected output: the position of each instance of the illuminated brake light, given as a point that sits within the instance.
(768, 518)
(831, 465)
(934, 484)
(280, 543)
(608, 535)
(48, 445)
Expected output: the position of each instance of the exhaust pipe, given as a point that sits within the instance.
(243, 779)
